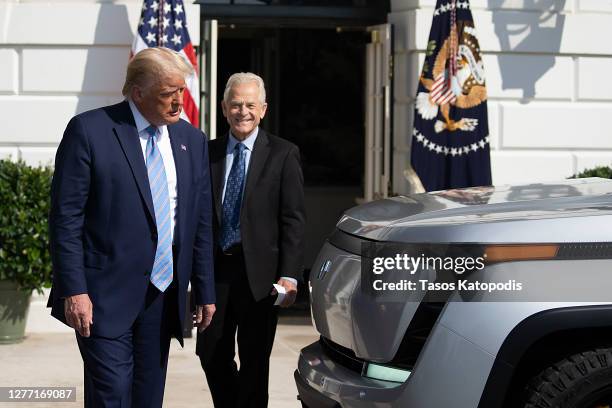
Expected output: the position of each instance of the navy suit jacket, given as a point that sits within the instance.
(102, 224)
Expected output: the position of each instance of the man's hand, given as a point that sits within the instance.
(291, 292)
(202, 316)
(78, 310)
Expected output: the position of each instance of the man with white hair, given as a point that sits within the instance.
(130, 226)
(259, 226)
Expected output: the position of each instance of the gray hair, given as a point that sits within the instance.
(151, 65)
(242, 78)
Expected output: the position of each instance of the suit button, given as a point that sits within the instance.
(154, 237)
(147, 272)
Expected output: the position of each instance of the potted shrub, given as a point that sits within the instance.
(25, 263)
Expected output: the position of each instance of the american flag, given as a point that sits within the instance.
(163, 24)
(441, 91)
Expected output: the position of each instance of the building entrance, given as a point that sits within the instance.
(326, 67)
(315, 92)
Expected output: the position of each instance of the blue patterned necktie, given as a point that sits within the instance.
(230, 222)
(161, 275)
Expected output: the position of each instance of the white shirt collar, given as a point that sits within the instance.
(141, 122)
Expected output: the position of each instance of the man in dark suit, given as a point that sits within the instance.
(259, 227)
(130, 226)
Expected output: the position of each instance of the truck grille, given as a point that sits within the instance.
(342, 355)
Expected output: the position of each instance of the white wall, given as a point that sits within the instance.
(550, 95)
(59, 58)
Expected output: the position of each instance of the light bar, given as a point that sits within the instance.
(386, 373)
(529, 252)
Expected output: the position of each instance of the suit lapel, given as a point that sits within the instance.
(217, 165)
(127, 134)
(181, 162)
(257, 163)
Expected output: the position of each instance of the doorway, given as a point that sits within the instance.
(316, 99)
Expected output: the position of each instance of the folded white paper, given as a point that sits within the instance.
(282, 292)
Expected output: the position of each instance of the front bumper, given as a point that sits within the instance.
(310, 397)
(322, 383)
(449, 363)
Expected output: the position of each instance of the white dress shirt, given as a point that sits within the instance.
(165, 149)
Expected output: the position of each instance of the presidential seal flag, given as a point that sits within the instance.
(450, 142)
(163, 24)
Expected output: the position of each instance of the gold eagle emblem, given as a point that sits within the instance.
(465, 89)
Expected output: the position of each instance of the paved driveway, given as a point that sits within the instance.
(53, 360)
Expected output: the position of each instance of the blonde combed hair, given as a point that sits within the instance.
(151, 65)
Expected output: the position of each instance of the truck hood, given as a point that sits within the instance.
(567, 211)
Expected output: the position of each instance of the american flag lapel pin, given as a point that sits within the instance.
(183, 147)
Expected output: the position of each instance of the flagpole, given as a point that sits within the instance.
(160, 23)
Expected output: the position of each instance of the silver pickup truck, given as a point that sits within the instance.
(474, 298)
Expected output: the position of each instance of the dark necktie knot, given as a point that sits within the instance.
(151, 130)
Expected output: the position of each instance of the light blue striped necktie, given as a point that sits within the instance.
(161, 275)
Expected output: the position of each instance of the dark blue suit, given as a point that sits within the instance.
(103, 232)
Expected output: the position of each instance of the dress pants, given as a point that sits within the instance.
(130, 370)
(255, 325)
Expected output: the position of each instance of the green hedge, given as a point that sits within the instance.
(24, 238)
(600, 171)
